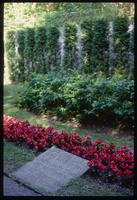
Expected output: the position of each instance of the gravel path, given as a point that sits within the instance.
(12, 188)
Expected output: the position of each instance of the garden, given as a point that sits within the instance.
(71, 85)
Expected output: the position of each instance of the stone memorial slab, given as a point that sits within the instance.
(51, 170)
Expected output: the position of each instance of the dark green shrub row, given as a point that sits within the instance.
(40, 49)
(70, 46)
(121, 41)
(15, 54)
(29, 50)
(85, 97)
(52, 48)
(42, 52)
(99, 52)
(87, 38)
(10, 54)
(20, 73)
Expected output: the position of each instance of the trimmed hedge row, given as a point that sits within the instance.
(105, 161)
(85, 97)
(20, 58)
(87, 38)
(42, 49)
(121, 41)
(52, 48)
(70, 46)
(99, 52)
(29, 50)
(10, 53)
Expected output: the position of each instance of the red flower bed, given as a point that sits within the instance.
(104, 160)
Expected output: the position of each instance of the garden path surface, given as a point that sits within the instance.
(51, 170)
(12, 188)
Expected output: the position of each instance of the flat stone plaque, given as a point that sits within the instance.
(51, 170)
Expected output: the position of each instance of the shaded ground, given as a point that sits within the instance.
(51, 170)
(12, 188)
(78, 187)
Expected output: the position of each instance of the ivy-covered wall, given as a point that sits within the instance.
(39, 49)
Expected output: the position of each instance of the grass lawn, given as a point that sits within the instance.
(15, 156)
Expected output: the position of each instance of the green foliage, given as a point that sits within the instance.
(121, 41)
(99, 53)
(39, 14)
(87, 37)
(10, 51)
(40, 50)
(131, 52)
(70, 45)
(52, 48)
(20, 57)
(29, 50)
(85, 97)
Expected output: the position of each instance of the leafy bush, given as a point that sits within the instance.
(85, 97)
(105, 161)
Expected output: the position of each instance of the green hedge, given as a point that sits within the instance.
(42, 51)
(70, 46)
(20, 57)
(121, 41)
(52, 47)
(10, 51)
(29, 50)
(87, 37)
(131, 50)
(99, 52)
(84, 97)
